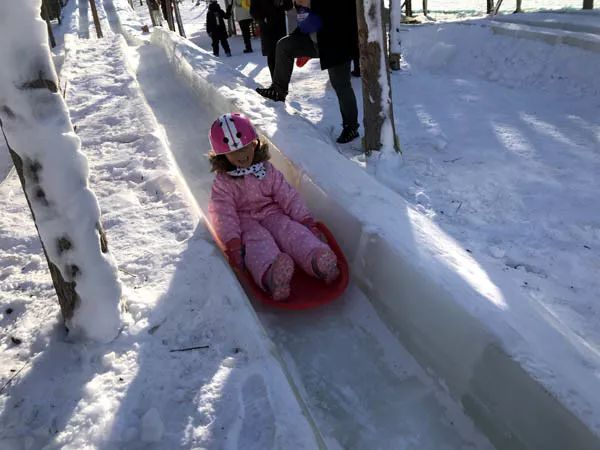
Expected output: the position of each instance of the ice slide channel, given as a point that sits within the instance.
(362, 388)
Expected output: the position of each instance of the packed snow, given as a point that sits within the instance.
(501, 142)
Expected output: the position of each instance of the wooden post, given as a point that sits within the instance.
(178, 18)
(518, 10)
(96, 20)
(395, 17)
(588, 4)
(372, 56)
(169, 7)
(48, 25)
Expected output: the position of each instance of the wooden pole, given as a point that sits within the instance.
(372, 56)
(170, 21)
(518, 10)
(96, 19)
(409, 11)
(178, 18)
(48, 25)
(588, 4)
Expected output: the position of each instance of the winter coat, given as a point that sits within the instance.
(242, 12)
(238, 199)
(338, 38)
(215, 22)
(270, 14)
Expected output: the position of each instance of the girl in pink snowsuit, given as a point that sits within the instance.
(260, 218)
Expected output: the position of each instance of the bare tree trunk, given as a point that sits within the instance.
(96, 20)
(518, 10)
(490, 6)
(29, 174)
(588, 4)
(395, 42)
(377, 99)
(170, 21)
(425, 9)
(178, 18)
(409, 11)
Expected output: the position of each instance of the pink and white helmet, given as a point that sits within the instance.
(230, 132)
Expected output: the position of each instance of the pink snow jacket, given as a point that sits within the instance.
(235, 199)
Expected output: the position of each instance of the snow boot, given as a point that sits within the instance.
(272, 94)
(278, 277)
(324, 264)
(349, 133)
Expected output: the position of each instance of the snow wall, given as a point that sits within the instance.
(428, 290)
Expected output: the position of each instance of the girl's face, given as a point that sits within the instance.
(243, 157)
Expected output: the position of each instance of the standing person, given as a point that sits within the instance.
(242, 15)
(262, 220)
(336, 46)
(215, 26)
(270, 15)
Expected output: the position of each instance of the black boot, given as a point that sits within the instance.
(349, 133)
(272, 94)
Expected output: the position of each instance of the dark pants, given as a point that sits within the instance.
(222, 38)
(297, 44)
(245, 27)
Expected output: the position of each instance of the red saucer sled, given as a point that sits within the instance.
(306, 291)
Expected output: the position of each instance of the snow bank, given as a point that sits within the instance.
(504, 59)
(37, 127)
(484, 342)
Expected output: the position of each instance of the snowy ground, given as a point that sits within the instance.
(501, 146)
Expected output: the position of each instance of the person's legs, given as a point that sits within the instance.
(215, 44)
(245, 27)
(261, 249)
(296, 240)
(225, 44)
(340, 80)
(288, 48)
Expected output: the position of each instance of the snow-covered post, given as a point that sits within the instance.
(588, 4)
(378, 119)
(395, 42)
(46, 153)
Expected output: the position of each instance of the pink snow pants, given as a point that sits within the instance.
(277, 233)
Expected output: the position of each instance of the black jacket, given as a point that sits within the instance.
(215, 22)
(270, 15)
(338, 38)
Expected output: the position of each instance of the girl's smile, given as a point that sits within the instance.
(243, 157)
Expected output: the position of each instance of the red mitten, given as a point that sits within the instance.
(235, 253)
(312, 226)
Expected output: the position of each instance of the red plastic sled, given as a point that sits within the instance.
(307, 292)
(301, 61)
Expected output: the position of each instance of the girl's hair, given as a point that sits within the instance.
(220, 163)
